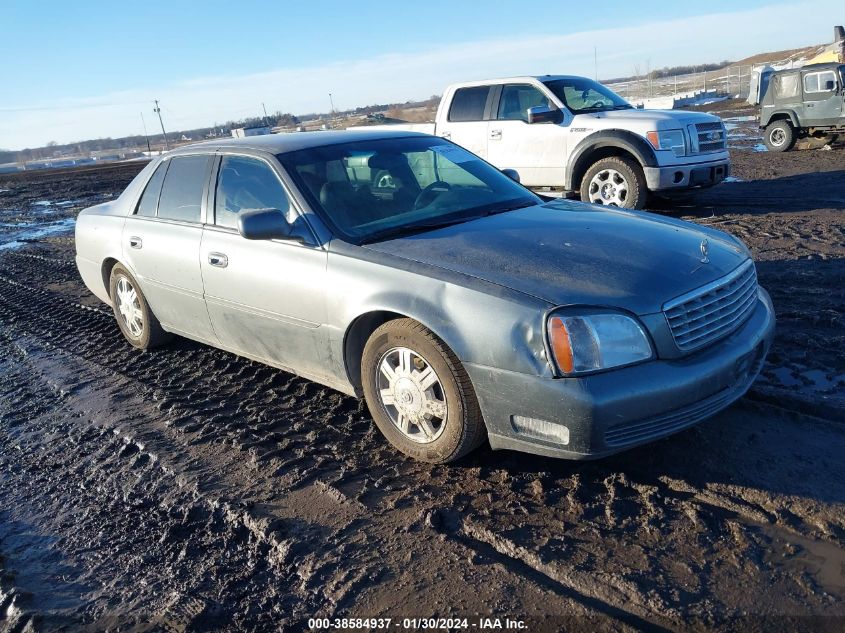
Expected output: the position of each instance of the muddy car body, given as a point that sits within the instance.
(403, 268)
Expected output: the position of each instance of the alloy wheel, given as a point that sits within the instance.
(129, 307)
(609, 187)
(412, 395)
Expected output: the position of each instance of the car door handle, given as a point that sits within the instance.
(136, 242)
(218, 259)
(446, 135)
(496, 134)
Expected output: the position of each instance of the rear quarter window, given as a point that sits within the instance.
(149, 199)
(181, 194)
(786, 86)
(468, 104)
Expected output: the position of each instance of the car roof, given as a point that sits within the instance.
(516, 80)
(293, 141)
(811, 67)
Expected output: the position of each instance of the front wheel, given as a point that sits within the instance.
(419, 394)
(617, 182)
(137, 322)
(779, 136)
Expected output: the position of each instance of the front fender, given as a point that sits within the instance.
(481, 322)
(582, 156)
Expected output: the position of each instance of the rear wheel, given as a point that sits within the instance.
(419, 394)
(779, 136)
(617, 182)
(136, 320)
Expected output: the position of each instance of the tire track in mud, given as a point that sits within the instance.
(637, 547)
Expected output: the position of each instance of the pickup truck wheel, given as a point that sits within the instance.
(779, 136)
(616, 182)
(419, 394)
(136, 321)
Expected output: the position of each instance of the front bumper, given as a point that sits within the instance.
(704, 174)
(619, 409)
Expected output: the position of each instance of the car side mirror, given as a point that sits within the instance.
(544, 114)
(830, 86)
(265, 224)
(512, 174)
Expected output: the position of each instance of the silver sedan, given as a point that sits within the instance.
(463, 307)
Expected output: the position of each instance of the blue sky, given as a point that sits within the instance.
(75, 70)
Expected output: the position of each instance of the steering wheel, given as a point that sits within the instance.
(431, 192)
(596, 104)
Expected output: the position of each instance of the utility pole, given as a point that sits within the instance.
(146, 136)
(157, 110)
(265, 113)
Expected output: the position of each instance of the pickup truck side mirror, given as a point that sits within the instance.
(830, 86)
(265, 224)
(544, 114)
(512, 174)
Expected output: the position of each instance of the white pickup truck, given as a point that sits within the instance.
(563, 133)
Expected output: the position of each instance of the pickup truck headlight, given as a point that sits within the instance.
(673, 140)
(586, 343)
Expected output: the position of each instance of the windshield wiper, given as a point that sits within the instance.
(420, 227)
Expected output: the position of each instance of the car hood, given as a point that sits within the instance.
(666, 117)
(569, 253)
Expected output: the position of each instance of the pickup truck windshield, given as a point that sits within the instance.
(582, 95)
(375, 189)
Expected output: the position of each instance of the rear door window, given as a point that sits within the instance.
(245, 184)
(181, 194)
(149, 199)
(468, 104)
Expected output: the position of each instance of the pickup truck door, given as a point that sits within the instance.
(465, 122)
(266, 298)
(536, 151)
(161, 244)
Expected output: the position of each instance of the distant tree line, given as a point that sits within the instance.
(156, 141)
(670, 71)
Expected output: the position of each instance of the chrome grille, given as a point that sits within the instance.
(713, 311)
(708, 137)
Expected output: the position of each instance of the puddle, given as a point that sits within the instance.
(824, 561)
(759, 147)
(786, 378)
(17, 238)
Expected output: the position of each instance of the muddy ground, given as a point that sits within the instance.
(188, 489)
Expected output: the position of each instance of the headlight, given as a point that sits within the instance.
(669, 139)
(592, 342)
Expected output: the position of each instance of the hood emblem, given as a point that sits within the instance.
(704, 251)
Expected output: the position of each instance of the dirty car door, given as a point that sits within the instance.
(266, 298)
(161, 244)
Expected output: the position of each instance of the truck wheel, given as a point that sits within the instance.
(616, 181)
(779, 136)
(419, 394)
(136, 321)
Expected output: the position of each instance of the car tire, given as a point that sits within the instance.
(136, 320)
(419, 394)
(779, 136)
(616, 181)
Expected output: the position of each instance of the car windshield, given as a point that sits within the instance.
(582, 95)
(380, 188)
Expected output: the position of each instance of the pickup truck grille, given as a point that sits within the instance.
(713, 311)
(708, 137)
